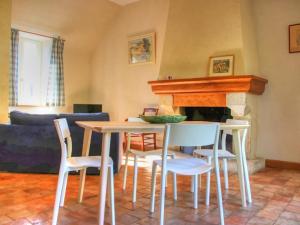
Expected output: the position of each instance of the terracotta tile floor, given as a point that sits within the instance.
(28, 199)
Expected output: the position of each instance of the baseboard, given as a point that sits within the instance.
(282, 164)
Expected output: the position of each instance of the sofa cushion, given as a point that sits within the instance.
(20, 118)
(72, 118)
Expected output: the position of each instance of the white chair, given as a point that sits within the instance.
(69, 163)
(224, 154)
(138, 154)
(187, 135)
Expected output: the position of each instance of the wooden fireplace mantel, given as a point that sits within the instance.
(207, 91)
(226, 84)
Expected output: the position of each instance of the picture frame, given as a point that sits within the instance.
(294, 38)
(142, 49)
(221, 65)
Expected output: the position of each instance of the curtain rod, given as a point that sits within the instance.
(42, 35)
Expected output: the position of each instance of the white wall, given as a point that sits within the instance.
(5, 14)
(279, 107)
(198, 29)
(122, 89)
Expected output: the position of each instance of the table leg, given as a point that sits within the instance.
(164, 173)
(246, 174)
(240, 169)
(218, 180)
(103, 175)
(85, 152)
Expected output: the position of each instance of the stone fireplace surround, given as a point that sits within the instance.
(239, 93)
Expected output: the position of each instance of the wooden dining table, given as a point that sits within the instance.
(109, 127)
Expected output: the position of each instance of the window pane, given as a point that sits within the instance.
(34, 59)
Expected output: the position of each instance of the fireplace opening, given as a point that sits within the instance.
(212, 114)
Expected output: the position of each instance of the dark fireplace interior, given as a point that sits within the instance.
(212, 114)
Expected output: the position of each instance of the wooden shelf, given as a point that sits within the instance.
(225, 84)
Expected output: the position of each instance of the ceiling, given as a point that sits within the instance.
(123, 2)
(79, 23)
(82, 25)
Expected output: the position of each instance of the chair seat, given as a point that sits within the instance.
(148, 153)
(210, 153)
(86, 161)
(186, 166)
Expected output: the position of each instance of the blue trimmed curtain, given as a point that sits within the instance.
(56, 89)
(14, 77)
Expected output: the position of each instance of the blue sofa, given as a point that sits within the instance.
(30, 143)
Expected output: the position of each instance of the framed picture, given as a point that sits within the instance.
(294, 38)
(221, 65)
(141, 49)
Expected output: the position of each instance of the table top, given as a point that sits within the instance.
(115, 126)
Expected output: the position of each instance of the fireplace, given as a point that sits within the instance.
(235, 94)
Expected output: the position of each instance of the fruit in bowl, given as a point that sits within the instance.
(164, 118)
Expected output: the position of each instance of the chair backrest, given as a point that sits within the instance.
(229, 132)
(192, 134)
(65, 139)
(150, 111)
(127, 135)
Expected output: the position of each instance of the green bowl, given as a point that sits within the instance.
(164, 118)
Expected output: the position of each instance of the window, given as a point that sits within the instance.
(34, 60)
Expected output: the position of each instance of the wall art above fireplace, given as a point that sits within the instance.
(221, 65)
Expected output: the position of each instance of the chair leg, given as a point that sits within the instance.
(246, 174)
(196, 192)
(166, 181)
(59, 188)
(174, 186)
(192, 177)
(125, 171)
(225, 171)
(219, 191)
(143, 142)
(192, 184)
(63, 192)
(163, 197)
(112, 195)
(153, 187)
(200, 181)
(135, 179)
(172, 156)
(81, 184)
(208, 183)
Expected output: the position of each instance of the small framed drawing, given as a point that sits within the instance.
(221, 65)
(294, 38)
(141, 49)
